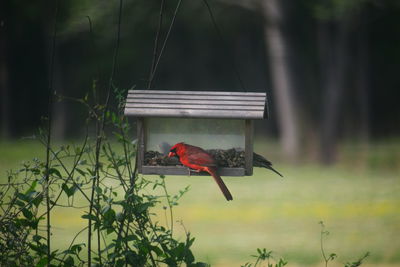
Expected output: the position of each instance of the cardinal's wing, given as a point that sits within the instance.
(196, 155)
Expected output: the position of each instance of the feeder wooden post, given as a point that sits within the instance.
(140, 143)
(248, 150)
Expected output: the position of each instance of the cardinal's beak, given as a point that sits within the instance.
(171, 154)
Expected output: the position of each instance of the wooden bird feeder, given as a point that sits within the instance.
(220, 122)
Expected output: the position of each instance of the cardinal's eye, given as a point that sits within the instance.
(173, 150)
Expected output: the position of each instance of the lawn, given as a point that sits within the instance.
(358, 202)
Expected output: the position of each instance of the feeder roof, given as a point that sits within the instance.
(196, 104)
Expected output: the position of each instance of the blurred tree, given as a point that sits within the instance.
(334, 53)
(23, 66)
(278, 53)
(281, 76)
(4, 94)
(363, 75)
(4, 88)
(336, 23)
(336, 20)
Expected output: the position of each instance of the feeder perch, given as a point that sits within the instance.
(219, 122)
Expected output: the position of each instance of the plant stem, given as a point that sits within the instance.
(50, 102)
(100, 132)
(322, 245)
(164, 186)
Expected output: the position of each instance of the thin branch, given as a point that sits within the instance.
(126, 148)
(50, 102)
(73, 240)
(164, 186)
(69, 174)
(100, 132)
(116, 168)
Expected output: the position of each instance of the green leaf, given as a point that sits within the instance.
(66, 189)
(282, 263)
(131, 258)
(98, 190)
(77, 248)
(22, 197)
(89, 216)
(77, 150)
(35, 222)
(31, 188)
(19, 203)
(144, 206)
(55, 171)
(27, 213)
(69, 261)
(110, 246)
(42, 262)
(105, 209)
(190, 242)
(120, 263)
(37, 238)
(129, 238)
(81, 172)
(189, 257)
(157, 250)
(37, 200)
(108, 218)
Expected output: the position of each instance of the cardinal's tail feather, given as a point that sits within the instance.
(220, 182)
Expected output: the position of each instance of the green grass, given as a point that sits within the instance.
(359, 204)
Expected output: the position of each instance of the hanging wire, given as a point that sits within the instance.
(155, 63)
(156, 42)
(235, 69)
(165, 43)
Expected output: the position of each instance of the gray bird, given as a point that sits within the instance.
(260, 161)
(164, 148)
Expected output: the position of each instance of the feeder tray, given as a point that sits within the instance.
(219, 122)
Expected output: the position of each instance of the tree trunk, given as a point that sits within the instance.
(362, 80)
(59, 108)
(282, 80)
(333, 41)
(4, 95)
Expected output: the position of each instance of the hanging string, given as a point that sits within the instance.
(156, 41)
(235, 69)
(164, 44)
(156, 60)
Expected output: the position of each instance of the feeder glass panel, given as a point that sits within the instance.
(221, 134)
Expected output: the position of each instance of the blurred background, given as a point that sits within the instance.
(329, 67)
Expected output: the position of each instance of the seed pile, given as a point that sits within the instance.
(155, 158)
(231, 158)
(224, 158)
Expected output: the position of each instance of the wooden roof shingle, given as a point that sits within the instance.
(196, 104)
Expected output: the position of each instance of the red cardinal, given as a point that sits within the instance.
(197, 159)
